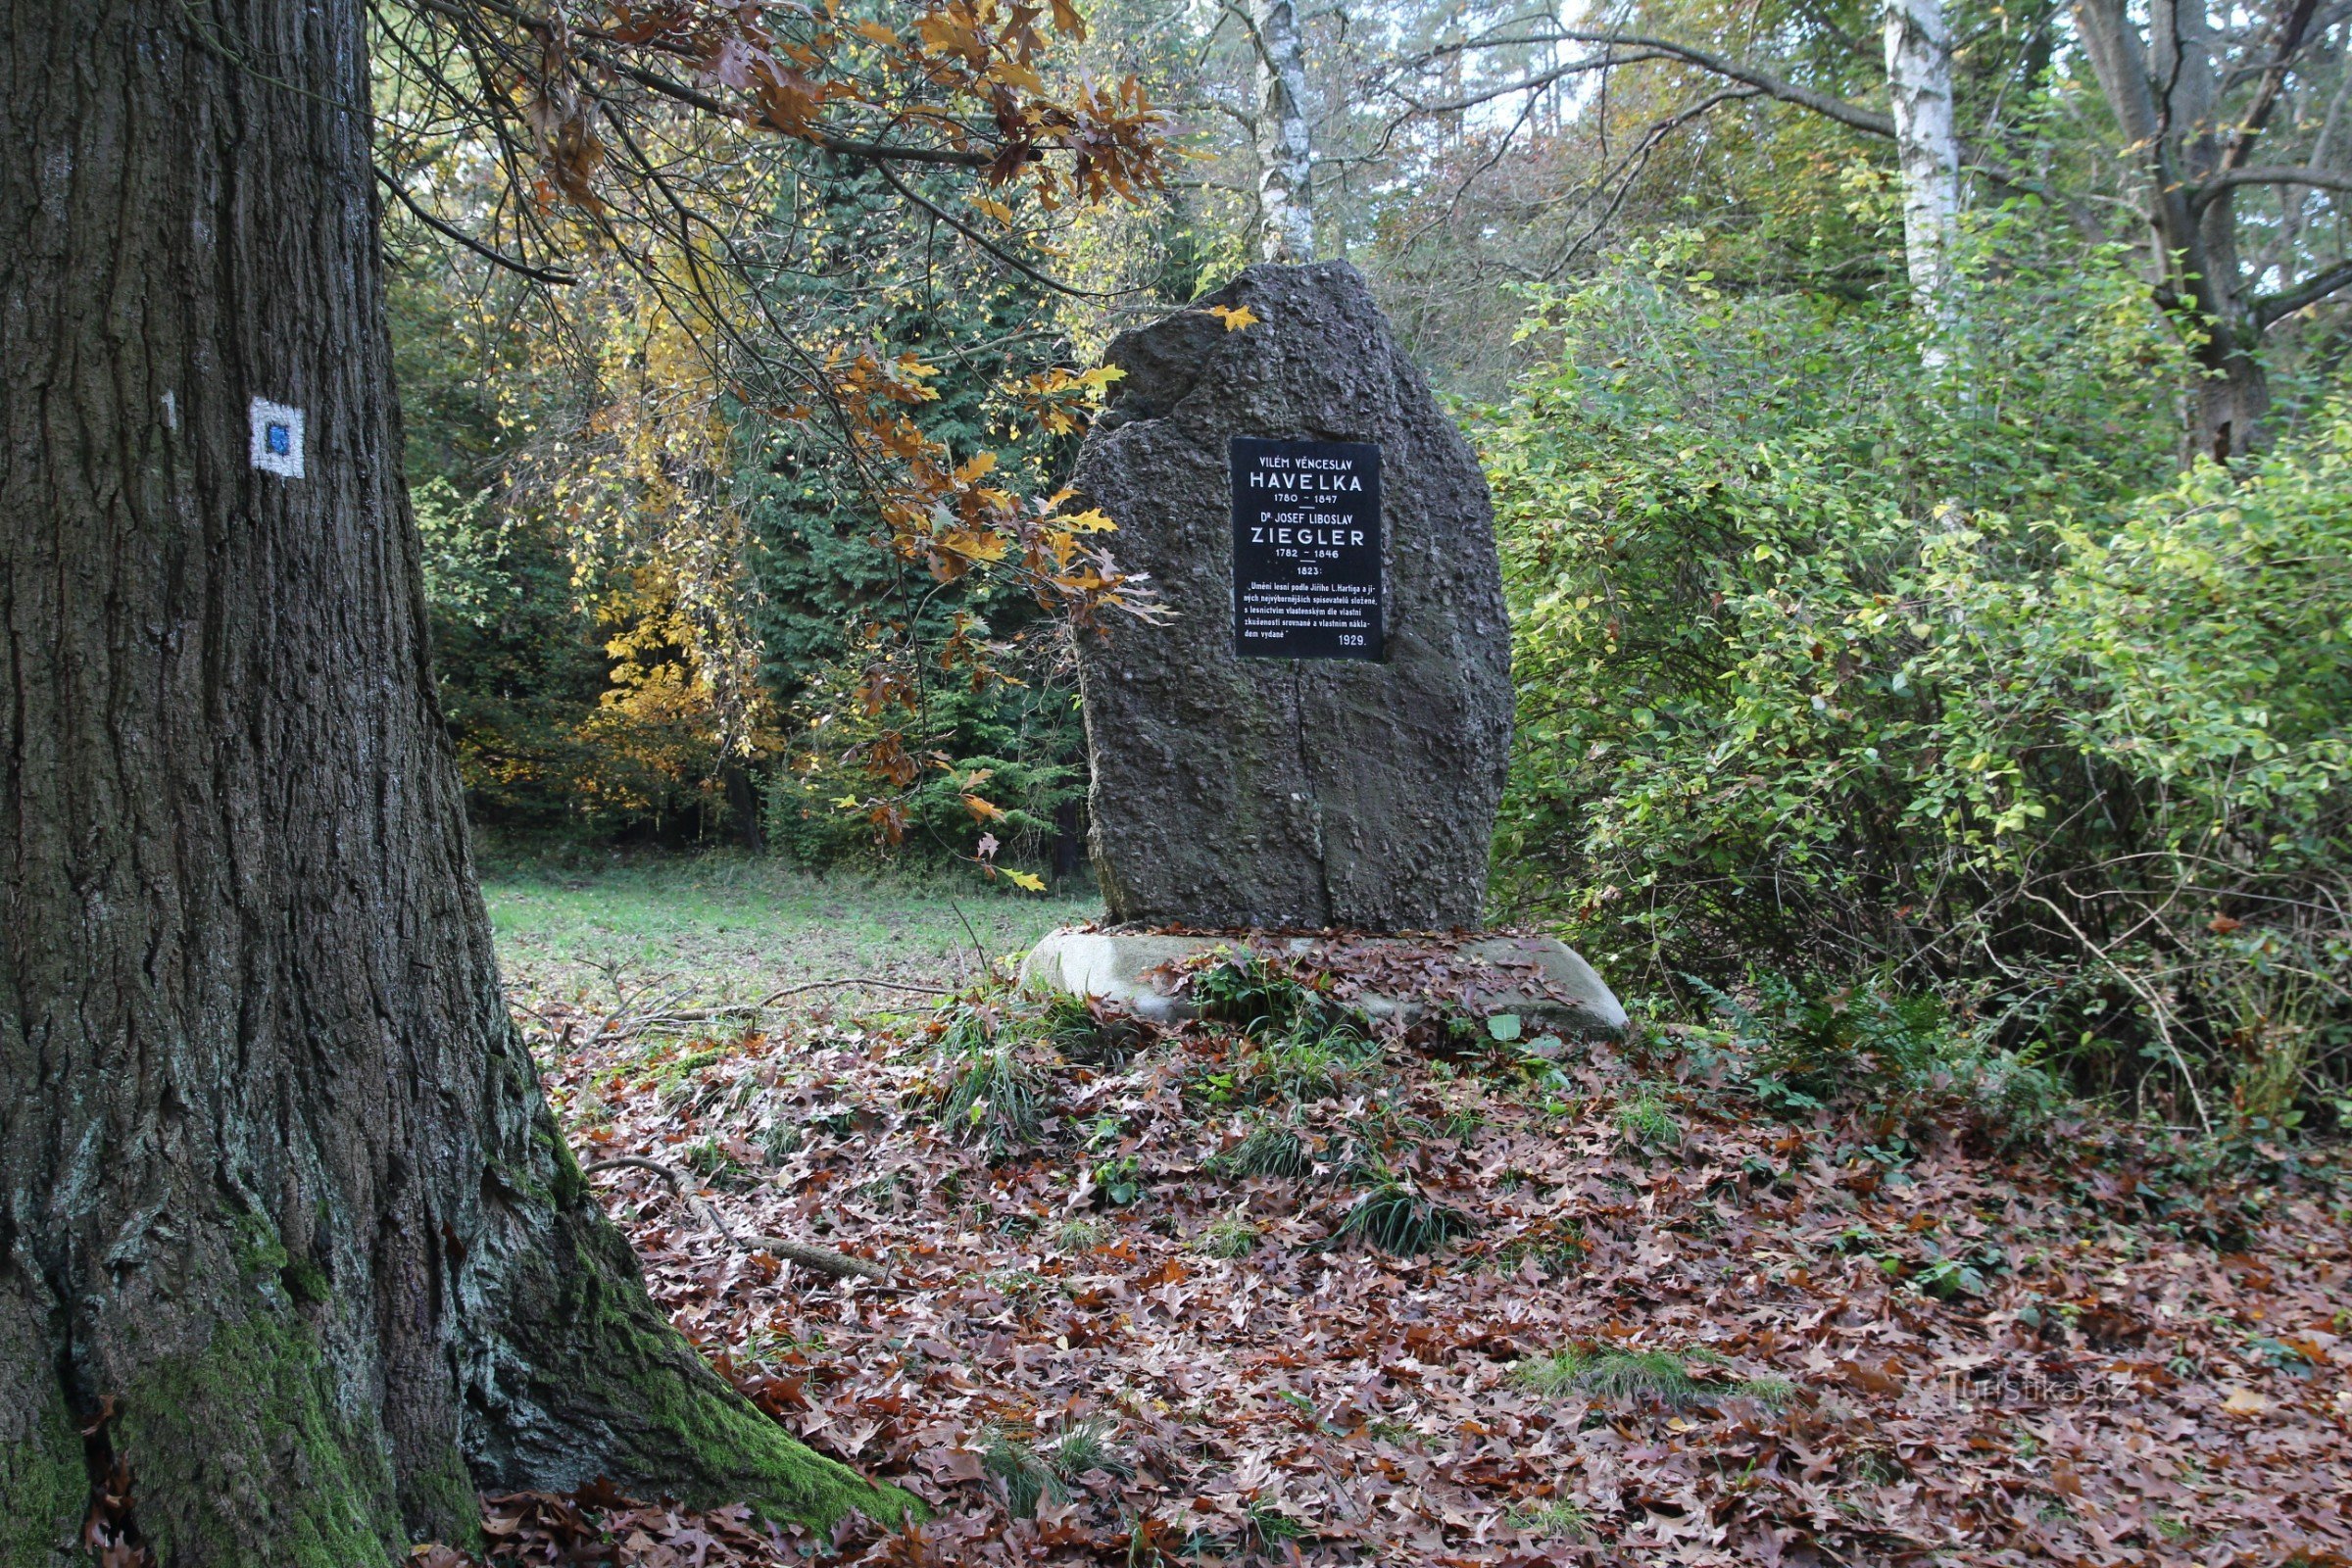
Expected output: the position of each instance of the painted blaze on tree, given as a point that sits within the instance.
(1319, 783)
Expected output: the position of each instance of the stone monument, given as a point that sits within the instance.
(1316, 737)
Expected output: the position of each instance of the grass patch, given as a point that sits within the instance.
(1030, 1474)
(1640, 1377)
(1648, 1125)
(733, 928)
(1229, 1237)
(1267, 1150)
(1402, 1222)
(986, 1093)
(1560, 1520)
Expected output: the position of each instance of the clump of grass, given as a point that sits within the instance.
(987, 1093)
(1030, 1475)
(1086, 1445)
(1081, 1033)
(1267, 1528)
(1400, 1221)
(1557, 1247)
(778, 1138)
(1024, 1474)
(1267, 1150)
(1558, 1520)
(1077, 1235)
(1229, 1237)
(1296, 1070)
(1266, 1001)
(1659, 1377)
(1646, 1123)
(706, 1160)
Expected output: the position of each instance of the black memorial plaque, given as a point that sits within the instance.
(1306, 549)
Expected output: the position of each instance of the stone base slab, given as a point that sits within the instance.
(1118, 968)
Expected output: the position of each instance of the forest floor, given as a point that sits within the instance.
(1280, 1289)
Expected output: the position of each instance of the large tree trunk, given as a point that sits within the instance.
(1918, 82)
(275, 1176)
(1285, 147)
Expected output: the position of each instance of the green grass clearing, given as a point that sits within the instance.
(731, 928)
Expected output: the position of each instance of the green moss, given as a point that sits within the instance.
(241, 1449)
(686, 1431)
(259, 1251)
(305, 1281)
(439, 1502)
(43, 1487)
(570, 1186)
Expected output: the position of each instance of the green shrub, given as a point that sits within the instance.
(1803, 1046)
(1824, 670)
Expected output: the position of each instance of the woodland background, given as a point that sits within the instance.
(1882, 670)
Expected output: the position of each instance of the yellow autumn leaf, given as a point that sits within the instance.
(847, 802)
(994, 208)
(1234, 317)
(1026, 880)
(1091, 520)
(975, 467)
(974, 546)
(1101, 375)
(982, 809)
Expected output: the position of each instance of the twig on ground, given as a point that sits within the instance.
(819, 1259)
(816, 1260)
(855, 980)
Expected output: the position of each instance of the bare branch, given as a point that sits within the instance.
(2271, 307)
(2268, 175)
(2290, 33)
(498, 258)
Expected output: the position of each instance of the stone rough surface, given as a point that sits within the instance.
(1292, 794)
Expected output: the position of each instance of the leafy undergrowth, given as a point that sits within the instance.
(1284, 1288)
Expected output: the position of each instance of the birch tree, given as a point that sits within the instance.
(2220, 132)
(1284, 144)
(1919, 88)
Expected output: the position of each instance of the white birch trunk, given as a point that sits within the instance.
(1919, 80)
(1285, 149)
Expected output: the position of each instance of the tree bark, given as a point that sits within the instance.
(2168, 121)
(1919, 81)
(1284, 146)
(277, 1185)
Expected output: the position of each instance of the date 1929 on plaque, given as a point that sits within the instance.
(1306, 549)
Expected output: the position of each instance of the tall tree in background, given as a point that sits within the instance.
(1284, 144)
(2219, 135)
(285, 1226)
(2213, 114)
(1919, 88)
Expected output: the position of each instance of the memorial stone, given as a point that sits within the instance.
(1317, 735)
